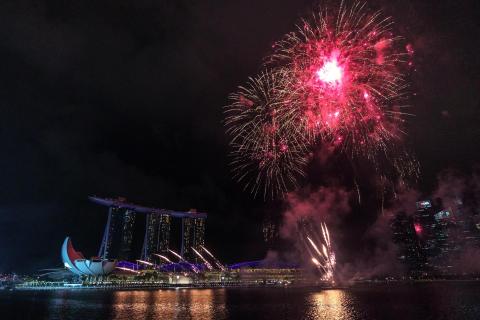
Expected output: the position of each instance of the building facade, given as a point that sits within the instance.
(118, 236)
(193, 235)
(433, 239)
(157, 235)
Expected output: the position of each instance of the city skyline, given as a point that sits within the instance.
(93, 105)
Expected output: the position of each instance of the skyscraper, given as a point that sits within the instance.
(164, 241)
(119, 230)
(157, 235)
(198, 233)
(193, 235)
(406, 238)
(270, 232)
(442, 235)
(118, 234)
(186, 250)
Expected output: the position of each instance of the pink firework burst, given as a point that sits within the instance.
(339, 80)
(331, 73)
(345, 68)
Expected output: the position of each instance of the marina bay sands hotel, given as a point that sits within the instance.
(119, 230)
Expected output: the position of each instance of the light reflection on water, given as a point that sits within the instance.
(199, 304)
(426, 301)
(330, 304)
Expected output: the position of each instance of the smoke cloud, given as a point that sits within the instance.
(320, 205)
(378, 254)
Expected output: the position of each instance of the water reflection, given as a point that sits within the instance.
(170, 304)
(445, 300)
(331, 304)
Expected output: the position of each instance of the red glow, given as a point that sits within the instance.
(330, 73)
(338, 80)
(409, 48)
(418, 228)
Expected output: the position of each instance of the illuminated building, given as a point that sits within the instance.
(424, 225)
(118, 234)
(186, 251)
(119, 230)
(164, 233)
(270, 232)
(198, 233)
(193, 235)
(157, 235)
(405, 234)
(128, 219)
(433, 238)
(76, 263)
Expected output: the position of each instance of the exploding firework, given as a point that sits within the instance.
(319, 248)
(268, 150)
(340, 80)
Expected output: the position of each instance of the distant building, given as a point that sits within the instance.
(186, 250)
(118, 234)
(193, 235)
(405, 235)
(198, 233)
(270, 232)
(119, 230)
(433, 238)
(157, 235)
(128, 220)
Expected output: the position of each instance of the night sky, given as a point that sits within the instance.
(124, 98)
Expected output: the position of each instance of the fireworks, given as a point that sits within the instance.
(207, 264)
(163, 257)
(127, 269)
(268, 149)
(324, 258)
(339, 79)
(181, 259)
(147, 263)
(217, 263)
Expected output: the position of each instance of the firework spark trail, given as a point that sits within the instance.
(324, 258)
(325, 234)
(181, 259)
(315, 261)
(325, 266)
(127, 269)
(163, 257)
(176, 255)
(209, 266)
(218, 264)
(319, 265)
(338, 79)
(314, 246)
(147, 263)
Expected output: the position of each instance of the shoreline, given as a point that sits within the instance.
(143, 287)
